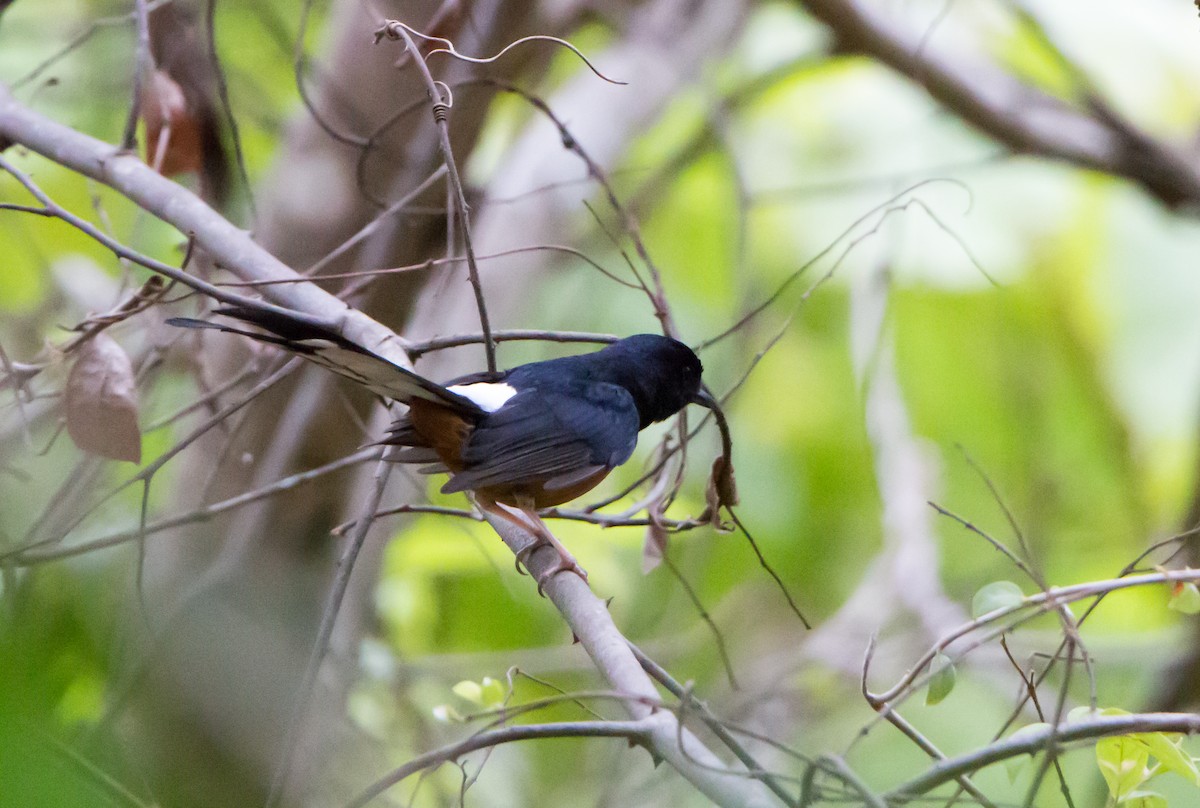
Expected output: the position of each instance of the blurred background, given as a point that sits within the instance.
(936, 251)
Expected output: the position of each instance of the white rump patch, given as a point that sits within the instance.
(489, 396)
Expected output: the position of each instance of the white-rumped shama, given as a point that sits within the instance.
(522, 439)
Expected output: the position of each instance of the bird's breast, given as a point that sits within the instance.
(532, 494)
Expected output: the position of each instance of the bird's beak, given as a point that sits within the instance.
(706, 399)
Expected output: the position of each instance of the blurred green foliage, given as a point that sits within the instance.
(1068, 384)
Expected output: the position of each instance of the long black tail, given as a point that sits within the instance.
(333, 351)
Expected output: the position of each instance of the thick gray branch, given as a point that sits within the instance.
(589, 619)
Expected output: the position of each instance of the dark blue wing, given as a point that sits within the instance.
(544, 434)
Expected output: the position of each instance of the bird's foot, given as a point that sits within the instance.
(528, 520)
(522, 555)
(566, 563)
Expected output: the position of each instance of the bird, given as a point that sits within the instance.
(520, 440)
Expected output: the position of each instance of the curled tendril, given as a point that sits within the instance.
(446, 46)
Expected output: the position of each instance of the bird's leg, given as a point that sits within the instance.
(519, 519)
(566, 561)
(527, 519)
(530, 521)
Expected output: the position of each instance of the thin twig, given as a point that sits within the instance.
(418, 349)
(704, 616)
(204, 514)
(448, 47)
(927, 746)
(441, 110)
(230, 247)
(634, 731)
(714, 724)
(1040, 602)
(146, 474)
(657, 294)
(143, 66)
(239, 155)
(121, 251)
(1035, 741)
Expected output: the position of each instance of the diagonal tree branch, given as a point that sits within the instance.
(1019, 115)
(589, 619)
(230, 247)
(633, 731)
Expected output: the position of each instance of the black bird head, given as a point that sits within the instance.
(662, 374)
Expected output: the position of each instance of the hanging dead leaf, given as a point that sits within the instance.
(653, 547)
(101, 399)
(721, 492)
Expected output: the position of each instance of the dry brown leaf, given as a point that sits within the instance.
(101, 399)
(173, 134)
(653, 547)
(721, 492)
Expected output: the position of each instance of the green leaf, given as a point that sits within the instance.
(1170, 755)
(469, 691)
(1124, 763)
(1014, 765)
(492, 692)
(83, 700)
(1185, 598)
(1143, 799)
(996, 595)
(942, 680)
